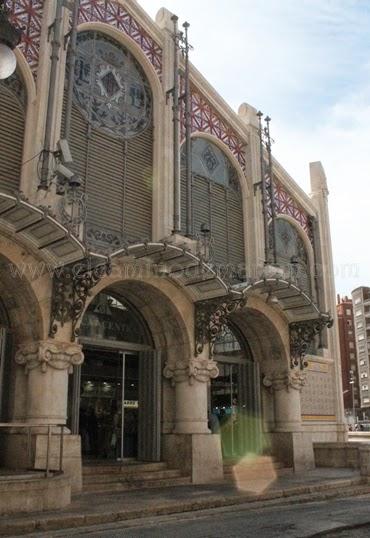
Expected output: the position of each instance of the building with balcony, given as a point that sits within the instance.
(348, 354)
(144, 298)
(361, 306)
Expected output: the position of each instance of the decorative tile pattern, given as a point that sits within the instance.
(285, 204)
(27, 14)
(114, 14)
(318, 394)
(204, 118)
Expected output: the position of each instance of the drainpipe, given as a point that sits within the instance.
(55, 47)
(176, 134)
(71, 69)
(189, 212)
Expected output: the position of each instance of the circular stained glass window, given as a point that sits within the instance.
(110, 87)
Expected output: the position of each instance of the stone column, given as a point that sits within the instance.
(191, 380)
(47, 364)
(191, 444)
(290, 443)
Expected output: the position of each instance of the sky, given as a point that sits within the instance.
(305, 63)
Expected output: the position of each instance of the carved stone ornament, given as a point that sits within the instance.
(295, 379)
(71, 287)
(197, 369)
(46, 354)
(302, 334)
(211, 317)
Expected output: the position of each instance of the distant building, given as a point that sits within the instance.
(361, 307)
(351, 398)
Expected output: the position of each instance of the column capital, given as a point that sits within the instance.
(294, 379)
(199, 369)
(46, 354)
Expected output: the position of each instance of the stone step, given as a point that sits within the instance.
(127, 485)
(121, 468)
(130, 476)
(255, 468)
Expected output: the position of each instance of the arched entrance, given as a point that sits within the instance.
(235, 404)
(115, 405)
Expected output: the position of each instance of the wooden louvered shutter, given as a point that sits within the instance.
(105, 183)
(235, 228)
(138, 178)
(78, 143)
(219, 223)
(12, 126)
(183, 200)
(201, 206)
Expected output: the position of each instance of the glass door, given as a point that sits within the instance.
(109, 402)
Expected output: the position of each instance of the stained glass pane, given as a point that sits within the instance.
(210, 162)
(110, 88)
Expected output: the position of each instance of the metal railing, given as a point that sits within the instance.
(48, 471)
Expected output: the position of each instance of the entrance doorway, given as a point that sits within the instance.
(116, 393)
(109, 405)
(235, 407)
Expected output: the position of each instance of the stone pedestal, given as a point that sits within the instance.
(47, 364)
(290, 444)
(191, 444)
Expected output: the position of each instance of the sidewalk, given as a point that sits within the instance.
(93, 509)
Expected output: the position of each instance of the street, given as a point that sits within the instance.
(298, 521)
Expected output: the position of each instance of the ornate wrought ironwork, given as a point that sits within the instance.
(71, 287)
(73, 209)
(302, 334)
(211, 318)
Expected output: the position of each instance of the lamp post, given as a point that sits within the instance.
(10, 37)
(352, 382)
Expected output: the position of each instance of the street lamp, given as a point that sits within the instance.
(352, 382)
(9, 39)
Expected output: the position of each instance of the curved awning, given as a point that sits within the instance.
(39, 231)
(181, 266)
(294, 302)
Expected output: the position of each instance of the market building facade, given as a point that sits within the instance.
(142, 310)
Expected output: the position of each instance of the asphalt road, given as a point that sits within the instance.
(298, 520)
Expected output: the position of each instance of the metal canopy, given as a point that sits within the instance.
(181, 266)
(39, 231)
(296, 304)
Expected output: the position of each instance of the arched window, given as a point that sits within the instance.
(109, 318)
(292, 254)
(217, 205)
(13, 102)
(112, 141)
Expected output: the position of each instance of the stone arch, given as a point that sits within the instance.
(267, 339)
(168, 314)
(20, 302)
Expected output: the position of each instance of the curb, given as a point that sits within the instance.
(300, 494)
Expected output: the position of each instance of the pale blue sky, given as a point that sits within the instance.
(307, 64)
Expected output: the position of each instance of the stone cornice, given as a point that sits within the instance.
(196, 369)
(49, 354)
